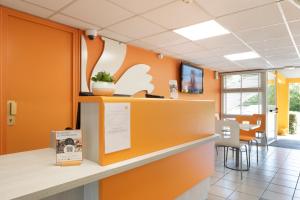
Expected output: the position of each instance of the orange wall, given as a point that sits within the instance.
(162, 71)
(282, 92)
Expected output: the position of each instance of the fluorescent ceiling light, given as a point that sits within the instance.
(202, 30)
(242, 56)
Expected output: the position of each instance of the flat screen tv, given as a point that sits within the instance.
(191, 79)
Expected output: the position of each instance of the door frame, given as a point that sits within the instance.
(4, 14)
(275, 102)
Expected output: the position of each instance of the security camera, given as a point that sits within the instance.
(91, 33)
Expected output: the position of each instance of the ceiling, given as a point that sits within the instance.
(255, 25)
(290, 73)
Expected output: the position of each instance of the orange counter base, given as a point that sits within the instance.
(161, 180)
(156, 124)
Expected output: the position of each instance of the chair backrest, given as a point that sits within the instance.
(247, 118)
(229, 131)
(262, 118)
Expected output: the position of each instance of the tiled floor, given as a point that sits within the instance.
(275, 177)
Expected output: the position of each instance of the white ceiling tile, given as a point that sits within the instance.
(272, 44)
(290, 56)
(184, 48)
(277, 52)
(100, 12)
(297, 40)
(165, 39)
(136, 28)
(211, 60)
(73, 22)
(53, 4)
(114, 36)
(253, 18)
(27, 7)
(254, 63)
(238, 48)
(295, 27)
(227, 66)
(203, 54)
(177, 14)
(265, 33)
(139, 6)
(219, 8)
(291, 12)
(143, 45)
(219, 41)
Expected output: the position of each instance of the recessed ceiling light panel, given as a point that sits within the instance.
(242, 56)
(202, 30)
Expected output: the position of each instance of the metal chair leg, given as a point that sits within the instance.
(224, 156)
(241, 166)
(266, 140)
(256, 152)
(246, 149)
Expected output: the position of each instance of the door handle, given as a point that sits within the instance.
(11, 112)
(12, 107)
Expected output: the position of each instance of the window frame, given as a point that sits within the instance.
(261, 89)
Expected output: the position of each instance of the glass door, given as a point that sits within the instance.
(271, 107)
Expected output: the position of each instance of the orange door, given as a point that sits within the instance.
(38, 72)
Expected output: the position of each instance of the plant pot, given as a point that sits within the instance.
(101, 88)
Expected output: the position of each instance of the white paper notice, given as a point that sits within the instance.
(117, 126)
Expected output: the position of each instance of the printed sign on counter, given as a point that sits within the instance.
(117, 127)
(68, 147)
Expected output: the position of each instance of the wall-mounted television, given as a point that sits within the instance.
(191, 79)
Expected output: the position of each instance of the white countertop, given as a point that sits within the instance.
(34, 175)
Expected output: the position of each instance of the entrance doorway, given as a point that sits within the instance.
(294, 109)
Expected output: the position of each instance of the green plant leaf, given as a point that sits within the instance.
(103, 76)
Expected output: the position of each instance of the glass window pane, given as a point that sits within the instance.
(232, 81)
(251, 80)
(251, 103)
(232, 103)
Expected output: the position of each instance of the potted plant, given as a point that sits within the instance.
(103, 84)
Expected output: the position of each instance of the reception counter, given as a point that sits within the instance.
(169, 154)
(155, 124)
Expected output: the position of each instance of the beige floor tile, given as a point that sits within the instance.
(220, 191)
(281, 189)
(297, 194)
(242, 196)
(227, 184)
(269, 195)
(213, 197)
(251, 190)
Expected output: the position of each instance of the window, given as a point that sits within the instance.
(242, 94)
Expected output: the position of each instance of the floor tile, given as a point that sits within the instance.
(227, 184)
(297, 193)
(251, 190)
(281, 189)
(285, 183)
(213, 197)
(275, 196)
(242, 196)
(220, 191)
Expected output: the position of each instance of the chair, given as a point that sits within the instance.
(261, 131)
(248, 136)
(230, 138)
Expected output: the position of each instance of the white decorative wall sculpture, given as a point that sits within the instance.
(134, 80)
